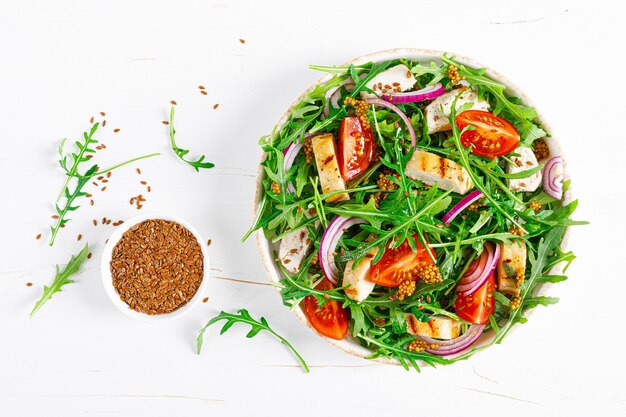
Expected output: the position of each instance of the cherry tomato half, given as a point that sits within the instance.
(492, 137)
(400, 263)
(356, 148)
(477, 306)
(331, 319)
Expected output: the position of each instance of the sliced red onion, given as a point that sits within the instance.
(474, 278)
(333, 95)
(328, 243)
(426, 93)
(462, 205)
(290, 153)
(553, 177)
(383, 103)
(450, 347)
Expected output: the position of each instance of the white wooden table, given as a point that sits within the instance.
(65, 61)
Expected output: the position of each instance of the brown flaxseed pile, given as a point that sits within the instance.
(157, 266)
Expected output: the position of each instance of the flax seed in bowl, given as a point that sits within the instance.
(155, 267)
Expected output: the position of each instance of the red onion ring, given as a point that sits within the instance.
(328, 243)
(486, 263)
(462, 205)
(383, 103)
(553, 177)
(426, 93)
(450, 347)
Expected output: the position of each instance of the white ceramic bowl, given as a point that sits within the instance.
(107, 279)
(266, 248)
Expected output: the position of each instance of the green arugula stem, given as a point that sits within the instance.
(180, 153)
(256, 327)
(130, 161)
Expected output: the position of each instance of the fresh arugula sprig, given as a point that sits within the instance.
(61, 278)
(83, 153)
(180, 152)
(257, 326)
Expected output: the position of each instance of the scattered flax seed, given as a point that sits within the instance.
(137, 201)
(89, 196)
(100, 178)
(108, 221)
(242, 41)
(204, 93)
(208, 243)
(157, 266)
(104, 220)
(104, 123)
(138, 171)
(173, 102)
(205, 299)
(95, 222)
(201, 87)
(109, 174)
(104, 188)
(79, 237)
(116, 130)
(29, 284)
(215, 106)
(89, 255)
(91, 202)
(106, 241)
(102, 114)
(89, 156)
(55, 217)
(165, 122)
(63, 226)
(91, 120)
(38, 236)
(149, 189)
(94, 183)
(143, 182)
(105, 181)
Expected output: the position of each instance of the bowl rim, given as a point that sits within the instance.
(349, 345)
(107, 279)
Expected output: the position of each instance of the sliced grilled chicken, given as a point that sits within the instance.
(293, 248)
(431, 169)
(357, 278)
(327, 166)
(438, 327)
(437, 121)
(512, 264)
(527, 160)
(393, 80)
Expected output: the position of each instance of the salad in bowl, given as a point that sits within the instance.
(412, 207)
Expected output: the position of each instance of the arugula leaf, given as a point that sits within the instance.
(180, 153)
(61, 278)
(257, 326)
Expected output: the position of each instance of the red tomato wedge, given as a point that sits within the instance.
(493, 136)
(356, 148)
(400, 263)
(330, 320)
(477, 306)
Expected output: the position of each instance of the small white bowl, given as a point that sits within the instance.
(107, 279)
